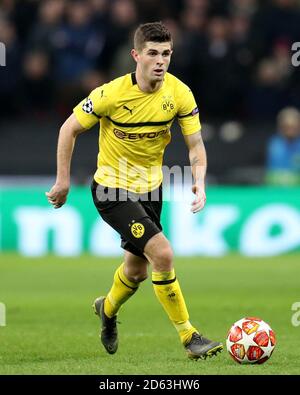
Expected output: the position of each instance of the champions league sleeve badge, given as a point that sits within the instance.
(88, 106)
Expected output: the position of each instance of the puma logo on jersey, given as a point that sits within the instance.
(129, 109)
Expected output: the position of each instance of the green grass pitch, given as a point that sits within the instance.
(51, 328)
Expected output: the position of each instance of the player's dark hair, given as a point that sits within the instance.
(154, 31)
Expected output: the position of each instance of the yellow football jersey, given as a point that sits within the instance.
(135, 129)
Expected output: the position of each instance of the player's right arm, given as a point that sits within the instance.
(85, 115)
(57, 195)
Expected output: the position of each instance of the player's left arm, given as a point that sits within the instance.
(189, 122)
(198, 160)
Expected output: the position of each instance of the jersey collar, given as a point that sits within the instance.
(133, 79)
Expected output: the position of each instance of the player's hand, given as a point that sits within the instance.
(57, 195)
(200, 199)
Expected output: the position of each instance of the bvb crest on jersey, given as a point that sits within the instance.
(168, 105)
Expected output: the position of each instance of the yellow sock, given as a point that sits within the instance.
(120, 291)
(168, 292)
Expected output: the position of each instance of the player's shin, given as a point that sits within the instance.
(168, 292)
(121, 290)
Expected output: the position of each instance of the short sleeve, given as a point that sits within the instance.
(188, 113)
(91, 109)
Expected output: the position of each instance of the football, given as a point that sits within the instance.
(250, 340)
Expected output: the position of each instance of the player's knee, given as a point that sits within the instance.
(166, 255)
(138, 277)
(141, 277)
(163, 261)
(159, 252)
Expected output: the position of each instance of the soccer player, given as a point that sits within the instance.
(135, 113)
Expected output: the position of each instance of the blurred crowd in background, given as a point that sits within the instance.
(235, 54)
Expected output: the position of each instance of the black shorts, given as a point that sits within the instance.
(136, 217)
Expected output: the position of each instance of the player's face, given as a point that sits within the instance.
(154, 60)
